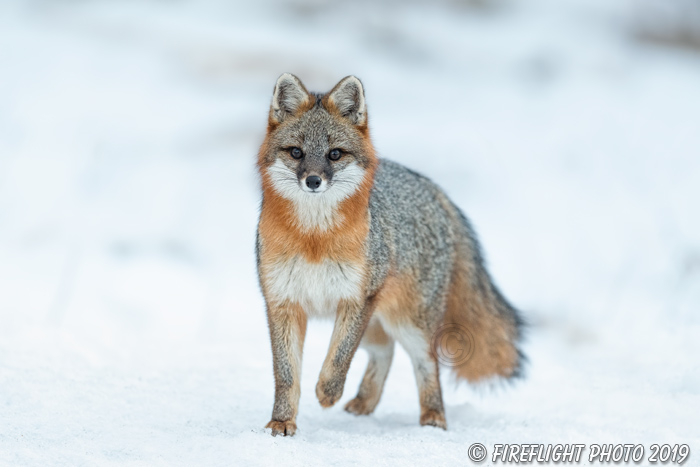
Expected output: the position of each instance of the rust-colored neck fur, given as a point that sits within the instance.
(343, 241)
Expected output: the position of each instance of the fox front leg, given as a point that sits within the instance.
(287, 330)
(350, 323)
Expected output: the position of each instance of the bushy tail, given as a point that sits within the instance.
(493, 327)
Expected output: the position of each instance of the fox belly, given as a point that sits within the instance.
(316, 286)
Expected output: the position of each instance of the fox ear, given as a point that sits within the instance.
(348, 98)
(290, 95)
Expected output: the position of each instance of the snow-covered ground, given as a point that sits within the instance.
(132, 330)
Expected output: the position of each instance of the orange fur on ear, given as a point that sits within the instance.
(289, 98)
(347, 100)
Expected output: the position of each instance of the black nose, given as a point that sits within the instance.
(313, 181)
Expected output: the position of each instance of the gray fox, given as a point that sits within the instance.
(373, 245)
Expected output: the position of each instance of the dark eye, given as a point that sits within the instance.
(335, 154)
(296, 153)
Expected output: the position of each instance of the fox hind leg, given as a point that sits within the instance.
(427, 372)
(380, 347)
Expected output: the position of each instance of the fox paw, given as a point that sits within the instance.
(433, 418)
(328, 393)
(359, 406)
(287, 428)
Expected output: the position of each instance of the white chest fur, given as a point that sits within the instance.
(318, 287)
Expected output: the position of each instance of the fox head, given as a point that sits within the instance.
(317, 152)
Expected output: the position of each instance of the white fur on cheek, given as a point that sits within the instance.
(316, 210)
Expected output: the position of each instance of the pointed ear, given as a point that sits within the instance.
(348, 98)
(289, 97)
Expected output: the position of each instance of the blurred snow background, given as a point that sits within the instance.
(132, 331)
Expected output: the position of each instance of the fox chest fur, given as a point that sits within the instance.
(315, 267)
(317, 287)
(302, 269)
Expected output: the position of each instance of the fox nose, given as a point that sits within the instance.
(313, 181)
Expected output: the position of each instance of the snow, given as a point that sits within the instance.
(133, 331)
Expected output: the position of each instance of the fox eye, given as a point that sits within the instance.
(335, 154)
(296, 153)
